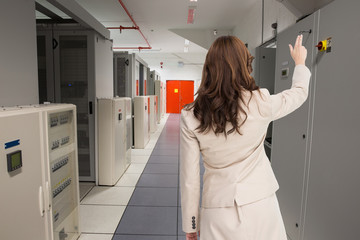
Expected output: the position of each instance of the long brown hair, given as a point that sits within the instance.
(225, 76)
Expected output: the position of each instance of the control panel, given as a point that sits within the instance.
(63, 172)
(14, 161)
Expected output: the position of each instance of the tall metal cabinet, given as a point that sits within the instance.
(39, 173)
(128, 73)
(76, 61)
(315, 149)
(265, 78)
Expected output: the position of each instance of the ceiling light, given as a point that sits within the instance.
(186, 49)
(187, 42)
(193, 0)
(191, 14)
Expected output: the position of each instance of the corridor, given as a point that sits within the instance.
(153, 210)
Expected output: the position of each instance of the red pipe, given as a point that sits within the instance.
(136, 27)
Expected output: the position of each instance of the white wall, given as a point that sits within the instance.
(18, 56)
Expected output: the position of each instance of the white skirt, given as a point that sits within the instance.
(260, 220)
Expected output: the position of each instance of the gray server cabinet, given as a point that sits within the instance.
(265, 68)
(315, 149)
(150, 88)
(333, 196)
(124, 74)
(290, 134)
(265, 78)
(152, 77)
(74, 64)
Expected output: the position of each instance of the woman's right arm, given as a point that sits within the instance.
(289, 100)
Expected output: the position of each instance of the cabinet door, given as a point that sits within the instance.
(21, 209)
(290, 134)
(333, 202)
(45, 46)
(74, 83)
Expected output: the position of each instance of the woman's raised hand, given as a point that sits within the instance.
(298, 52)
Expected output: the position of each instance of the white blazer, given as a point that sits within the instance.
(236, 167)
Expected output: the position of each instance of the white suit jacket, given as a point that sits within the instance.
(236, 167)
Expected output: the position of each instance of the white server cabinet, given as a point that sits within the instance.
(315, 149)
(111, 140)
(163, 102)
(129, 130)
(153, 113)
(39, 166)
(159, 92)
(141, 121)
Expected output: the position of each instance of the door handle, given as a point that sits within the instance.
(55, 43)
(90, 108)
(41, 201)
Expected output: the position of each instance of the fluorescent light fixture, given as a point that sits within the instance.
(186, 49)
(193, 0)
(187, 42)
(191, 14)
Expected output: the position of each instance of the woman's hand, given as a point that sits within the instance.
(298, 52)
(192, 236)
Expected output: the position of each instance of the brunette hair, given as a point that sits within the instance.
(225, 77)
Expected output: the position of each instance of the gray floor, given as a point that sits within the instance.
(154, 212)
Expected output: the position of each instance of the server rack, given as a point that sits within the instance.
(73, 70)
(314, 148)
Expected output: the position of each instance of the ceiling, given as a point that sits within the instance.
(156, 17)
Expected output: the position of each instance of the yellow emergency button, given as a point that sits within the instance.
(176, 90)
(322, 45)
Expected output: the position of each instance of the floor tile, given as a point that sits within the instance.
(128, 180)
(167, 152)
(141, 152)
(109, 195)
(166, 146)
(158, 180)
(161, 168)
(150, 145)
(96, 236)
(85, 188)
(180, 232)
(164, 159)
(148, 220)
(154, 197)
(100, 219)
(139, 159)
(136, 168)
(144, 237)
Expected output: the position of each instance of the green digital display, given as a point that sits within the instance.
(14, 161)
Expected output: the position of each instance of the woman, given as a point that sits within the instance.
(227, 124)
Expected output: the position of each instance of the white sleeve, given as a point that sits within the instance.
(189, 177)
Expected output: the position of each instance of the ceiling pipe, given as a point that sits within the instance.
(122, 28)
(136, 27)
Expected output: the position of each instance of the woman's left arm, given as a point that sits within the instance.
(189, 176)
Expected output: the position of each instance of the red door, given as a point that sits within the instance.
(178, 94)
